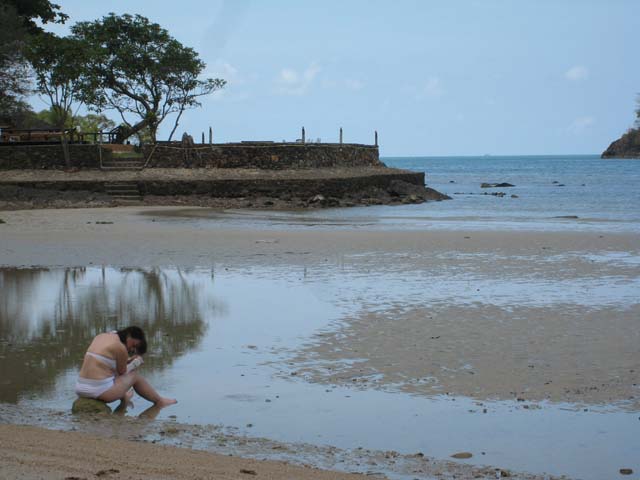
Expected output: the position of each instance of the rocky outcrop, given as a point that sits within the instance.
(627, 146)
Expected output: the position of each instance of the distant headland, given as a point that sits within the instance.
(627, 146)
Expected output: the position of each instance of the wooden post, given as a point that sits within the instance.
(376, 132)
(340, 135)
(303, 139)
(210, 136)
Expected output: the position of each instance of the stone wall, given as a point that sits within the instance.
(234, 188)
(49, 156)
(273, 156)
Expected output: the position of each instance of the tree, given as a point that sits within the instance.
(30, 10)
(91, 123)
(88, 123)
(57, 63)
(14, 70)
(136, 68)
(17, 24)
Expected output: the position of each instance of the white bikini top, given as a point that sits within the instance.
(106, 360)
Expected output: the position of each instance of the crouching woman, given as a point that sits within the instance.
(104, 375)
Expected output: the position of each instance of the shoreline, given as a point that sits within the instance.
(185, 451)
(446, 263)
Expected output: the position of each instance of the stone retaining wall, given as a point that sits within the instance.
(272, 156)
(231, 188)
(30, 157)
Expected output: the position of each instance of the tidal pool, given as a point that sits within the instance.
(221, 342)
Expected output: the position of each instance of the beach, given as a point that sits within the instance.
(499, 323)
(31, 453)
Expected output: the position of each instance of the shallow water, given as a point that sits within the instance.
(219, 341)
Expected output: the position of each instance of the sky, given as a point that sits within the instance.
(433, 77)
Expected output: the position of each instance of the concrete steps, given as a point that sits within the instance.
(123, 191)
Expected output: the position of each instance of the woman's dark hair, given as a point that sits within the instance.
(135, 333)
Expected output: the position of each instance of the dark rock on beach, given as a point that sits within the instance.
(90, 406)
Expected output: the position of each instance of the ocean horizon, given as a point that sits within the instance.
(550, 192)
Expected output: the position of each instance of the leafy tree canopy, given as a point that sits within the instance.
(14, 70)
(136, 68)
(28, 11)
(57, 63)
(89, 123)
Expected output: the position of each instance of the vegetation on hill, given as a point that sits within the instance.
(627, 146)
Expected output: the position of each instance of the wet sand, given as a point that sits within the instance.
(560, 336)
(183, 451)
(578, 356)
(529, 315)
(166, 236)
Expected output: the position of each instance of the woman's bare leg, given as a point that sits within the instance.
(143, 388)
(146, 391)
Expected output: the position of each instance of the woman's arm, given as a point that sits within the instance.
(121, 359)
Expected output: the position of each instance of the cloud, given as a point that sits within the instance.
(224, 70)
(292, 82)
(230, 92)
(580, 124)
(226, 22)
(353, 84)
(431, 89)
(577, 73)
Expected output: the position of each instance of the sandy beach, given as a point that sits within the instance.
(34, 453)
(582, 353)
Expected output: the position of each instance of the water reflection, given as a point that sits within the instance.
(49, 316)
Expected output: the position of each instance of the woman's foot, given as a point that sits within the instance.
(165, 402)
(128, 396)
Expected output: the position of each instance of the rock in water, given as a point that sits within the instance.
(89, 405)
(496, 185)
(462, 455)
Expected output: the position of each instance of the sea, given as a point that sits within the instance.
(550, 192)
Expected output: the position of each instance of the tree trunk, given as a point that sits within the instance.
(125, 131)
(65, 150)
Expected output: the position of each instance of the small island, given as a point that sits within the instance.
(628, 145)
